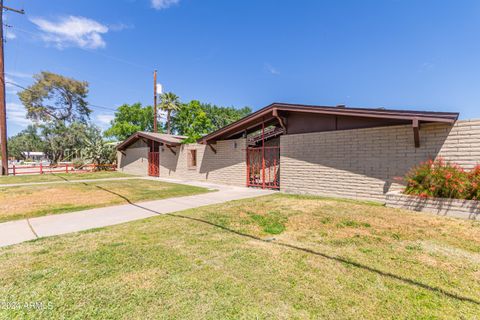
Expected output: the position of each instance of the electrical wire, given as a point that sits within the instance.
(88, 104)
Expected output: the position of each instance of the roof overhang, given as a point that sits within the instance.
(168, 140)
(270, 114)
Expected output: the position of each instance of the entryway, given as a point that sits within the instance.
(263, 167)
(154, 159)
(154, 164)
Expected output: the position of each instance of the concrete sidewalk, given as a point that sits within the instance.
(18, 231)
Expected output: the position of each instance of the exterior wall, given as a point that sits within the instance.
(134, 159)
(227, 166)
(363, 163)
(465, 209)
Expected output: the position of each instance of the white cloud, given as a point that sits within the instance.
(8, 82)
(163, 4)
(72, 31)
(120, 26)
(104, 119)
(271, 69)
(17, 74)
(17, 114)
(11, 84)
(10, 35)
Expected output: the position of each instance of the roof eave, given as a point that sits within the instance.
(138, 135)
(440, 117)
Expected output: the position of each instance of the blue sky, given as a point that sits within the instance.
(422, 55)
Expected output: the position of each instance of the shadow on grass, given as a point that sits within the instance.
(59, 176)
(309, 251)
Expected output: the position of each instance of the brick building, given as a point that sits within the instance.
(333, 151)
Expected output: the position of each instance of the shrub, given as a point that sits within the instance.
(440, 179)
(474, 179)
(78, 163)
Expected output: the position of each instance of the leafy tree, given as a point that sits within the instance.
(26, 140)
(130, 119)
(192, 121)
(222, 116)
(59, 136)
(170, 102)
(54, 97)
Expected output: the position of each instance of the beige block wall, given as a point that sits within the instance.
(363, 163)
(134, 159)
(227, 166)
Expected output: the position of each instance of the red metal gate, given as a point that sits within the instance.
(263, 167)
(154, 164)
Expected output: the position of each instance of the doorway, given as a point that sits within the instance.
(154, 159)
(263, 167)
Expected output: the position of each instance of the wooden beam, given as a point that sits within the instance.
(213, 149)
(281, 120)
(171, 149)
(416, 132)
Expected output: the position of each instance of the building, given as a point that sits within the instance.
(34, 156)
(332, 151)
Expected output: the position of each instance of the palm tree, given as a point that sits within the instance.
(169, 102)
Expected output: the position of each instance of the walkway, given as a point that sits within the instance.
(18, 231)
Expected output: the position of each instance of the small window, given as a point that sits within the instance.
(192, 159)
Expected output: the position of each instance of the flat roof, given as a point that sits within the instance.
(168, 139)
(267, 113)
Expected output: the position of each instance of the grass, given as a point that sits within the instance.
(57, 177)
(39, 200)
(330, 259)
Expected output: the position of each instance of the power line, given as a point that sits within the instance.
(113, 58)
(88, 104)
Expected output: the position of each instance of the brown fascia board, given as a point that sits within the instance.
(138, 135)
(433, 116)
(127, 142)
(242, 124)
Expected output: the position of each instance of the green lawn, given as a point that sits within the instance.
(18, 202)
(275, 257)
(61, 177)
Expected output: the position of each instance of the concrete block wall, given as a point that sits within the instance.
(134, 159)
(227, 166)
(465, 209)
(363, 163)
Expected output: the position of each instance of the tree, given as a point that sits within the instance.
(26, 140)
(192, 121)
(222, 116)
(130, 119)
(170, 102)
(58, 137)
(54, 97)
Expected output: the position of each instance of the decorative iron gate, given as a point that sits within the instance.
(154, 164)
(263, 167)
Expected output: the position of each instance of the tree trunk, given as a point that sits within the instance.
(168, 121)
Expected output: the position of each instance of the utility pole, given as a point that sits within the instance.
(3, 104)
(155, 101)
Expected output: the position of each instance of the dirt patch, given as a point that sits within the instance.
(25, 201)
(450, 252)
